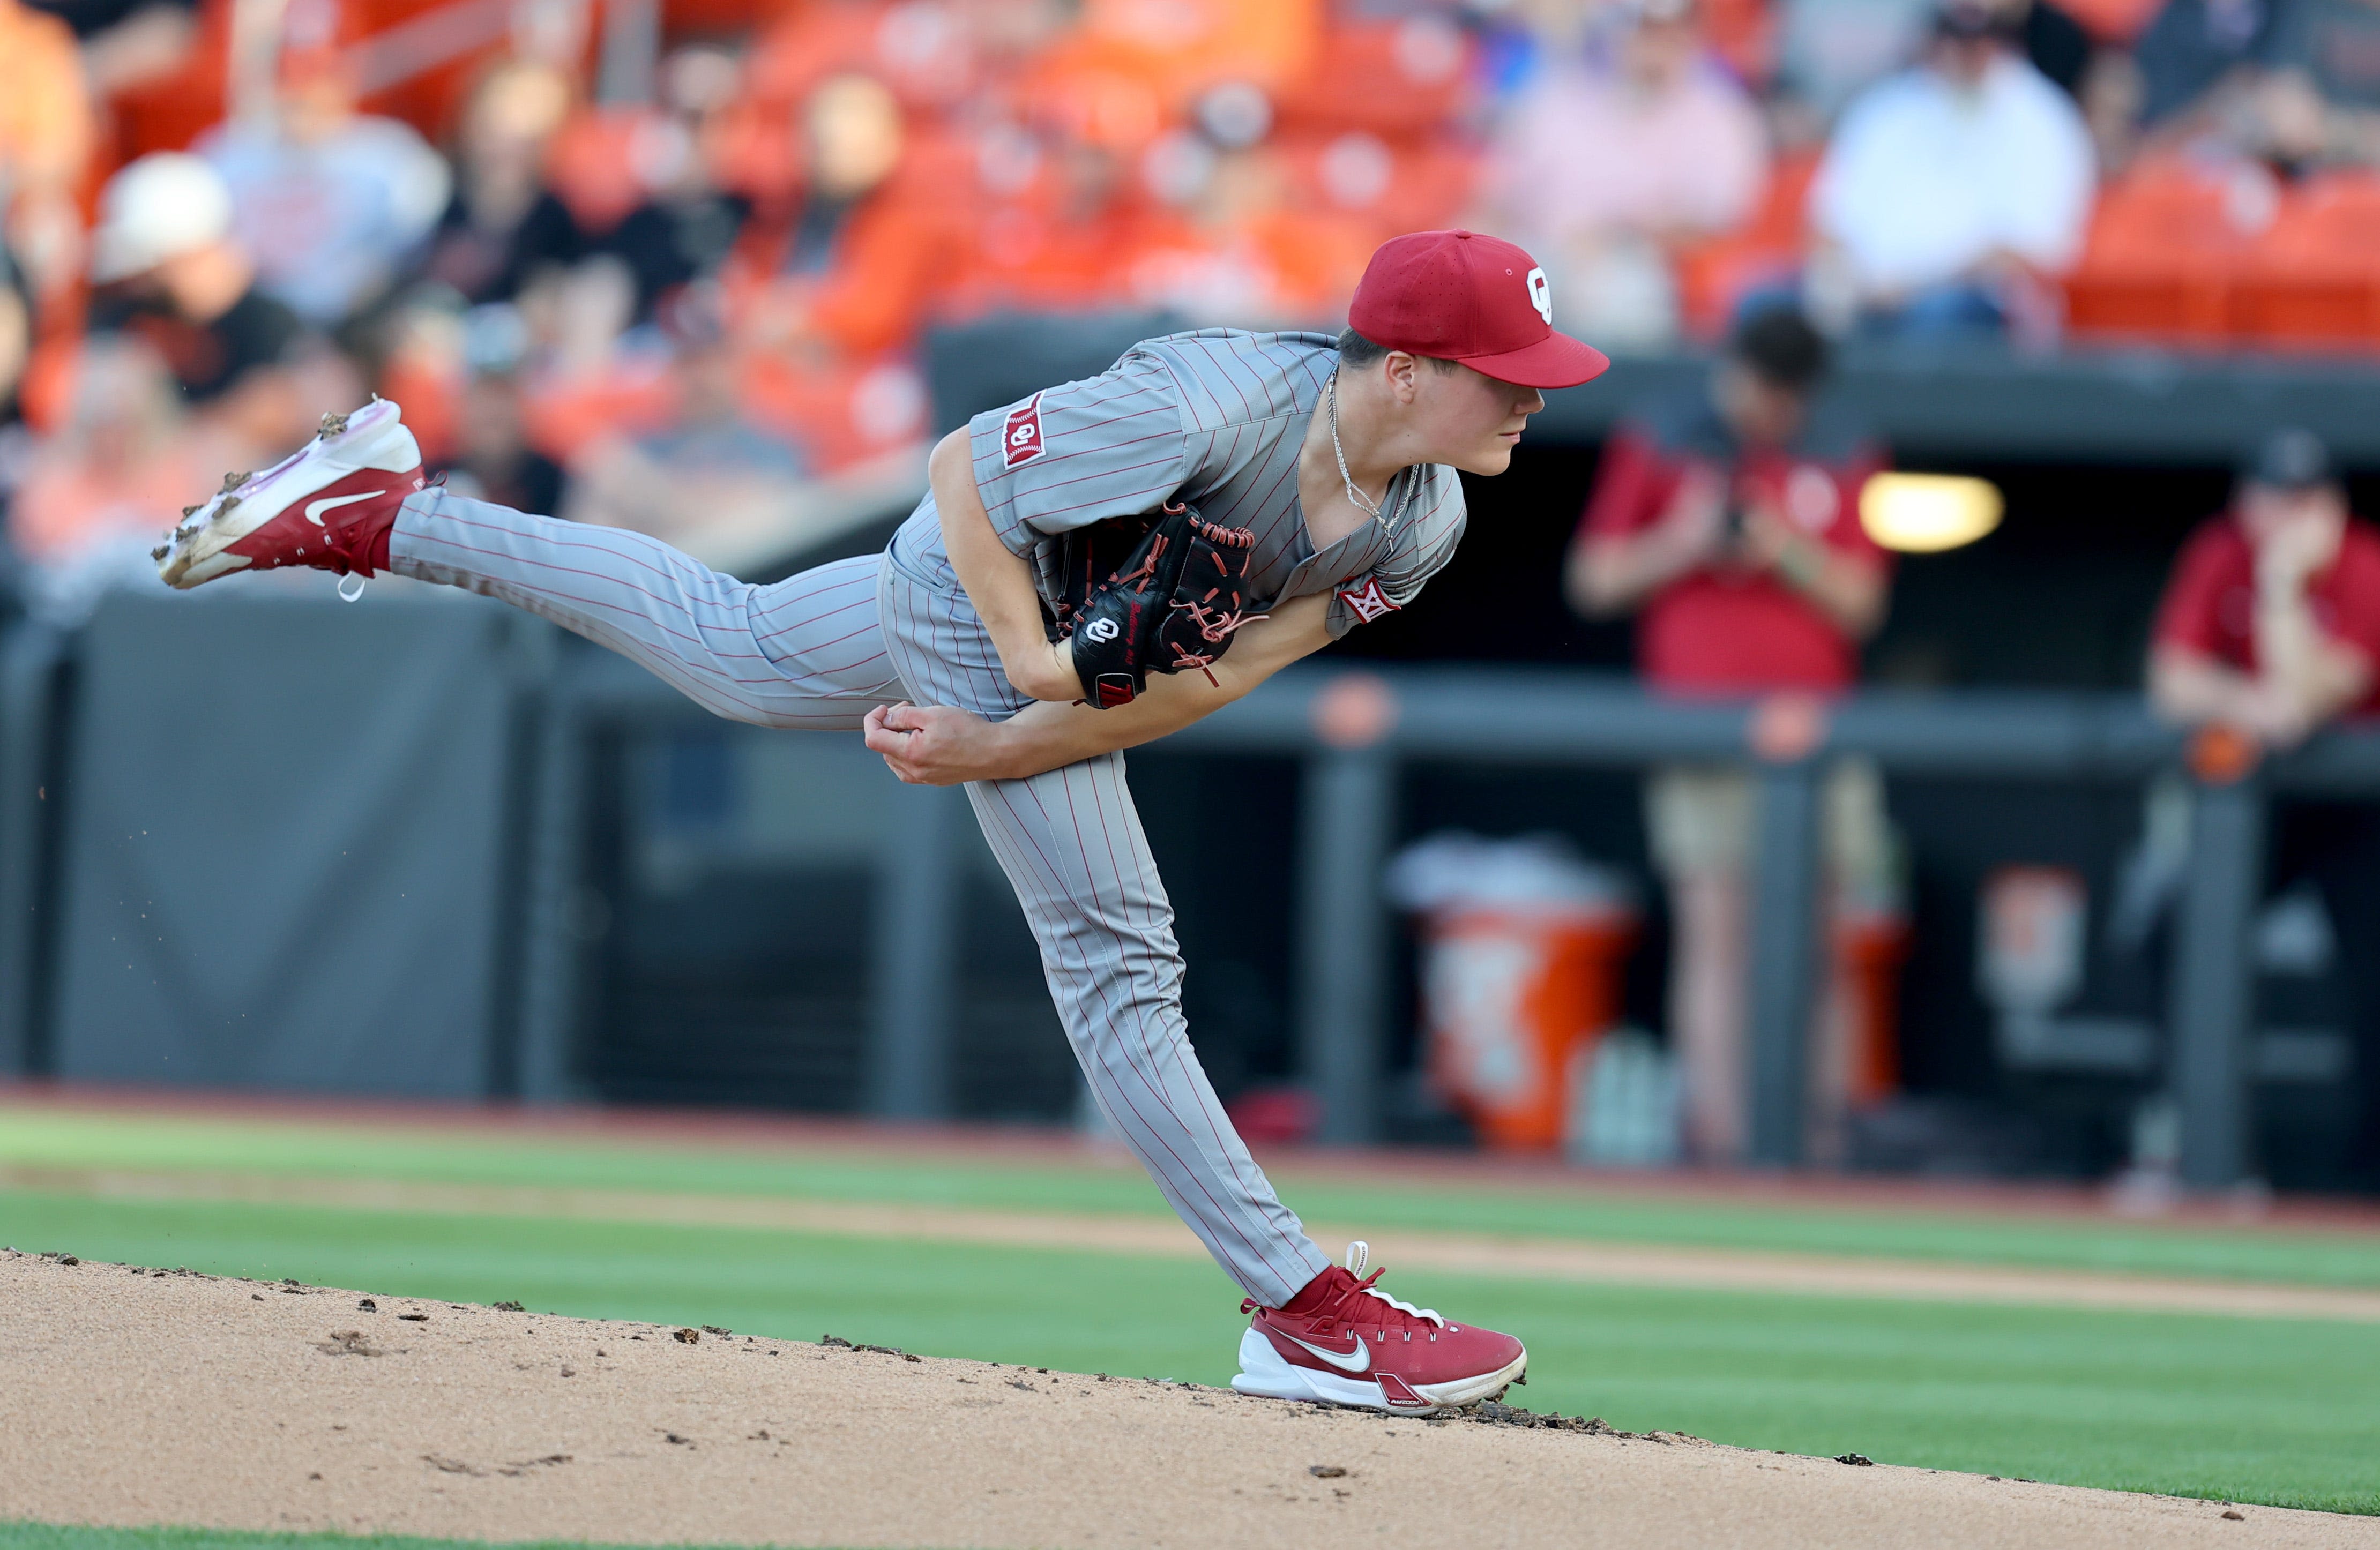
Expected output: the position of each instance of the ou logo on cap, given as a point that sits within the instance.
(1541, 295)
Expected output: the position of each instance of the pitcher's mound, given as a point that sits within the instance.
(135, 1397)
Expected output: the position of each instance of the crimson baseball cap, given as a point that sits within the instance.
(1479, 299)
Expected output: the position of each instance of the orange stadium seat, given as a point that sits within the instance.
(167, 114)
(1743, 35)
(418, 59)
(720, 18)
(2164, 247)
(1714, 276)
(1395, 188)
(2114, 22)
(2314, 278)
(839, 413)
(923, 65)
(595, 163)
(1401, 80)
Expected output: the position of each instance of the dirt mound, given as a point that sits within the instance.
(131, 1396)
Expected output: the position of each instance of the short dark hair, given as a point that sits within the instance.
(1779, 346)
(1359, 352)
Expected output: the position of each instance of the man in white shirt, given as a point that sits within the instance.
(332, 202)
(1951, 188)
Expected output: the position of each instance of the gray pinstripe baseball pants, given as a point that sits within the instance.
(821, 650)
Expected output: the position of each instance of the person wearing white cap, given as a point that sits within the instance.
(169, 270)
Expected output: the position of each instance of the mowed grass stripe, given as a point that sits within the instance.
(2276, 1412)
(1533, 1259)
(1101, 1184)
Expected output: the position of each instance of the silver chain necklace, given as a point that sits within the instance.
(1355, 495)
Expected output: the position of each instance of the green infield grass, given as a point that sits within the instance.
(58, 1536)
(148, 1143)
(2270, 1411)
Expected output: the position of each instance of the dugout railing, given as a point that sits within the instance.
(1353, 732)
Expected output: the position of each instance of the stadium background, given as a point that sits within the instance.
(730, 267)
(716, 271)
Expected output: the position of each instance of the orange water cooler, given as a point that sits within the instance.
(1513, 996)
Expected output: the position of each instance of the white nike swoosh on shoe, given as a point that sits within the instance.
(1357, 1361)
(314, 509)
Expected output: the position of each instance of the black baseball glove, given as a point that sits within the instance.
(1161, 593)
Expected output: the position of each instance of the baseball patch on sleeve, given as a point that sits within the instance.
(1020, 440)
(1368, 603)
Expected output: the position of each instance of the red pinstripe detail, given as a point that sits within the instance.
(815, 681)
(1055, 485)
(1073, 820)
(1094, 984)
(1145, 865)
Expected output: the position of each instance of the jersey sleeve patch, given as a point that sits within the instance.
(1021, 438)
(1367, 602)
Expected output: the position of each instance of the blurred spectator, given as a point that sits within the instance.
(128, 43)
(16, 350)
(2271, 625)
(96, 495)
(2272, 620)
(1242, 250)
(333, 205)
(2192, 48)
(1601, 169)
(853, 270)
(1727, 521)
(1064, 222)
(2321, 97)
(709, 465)
(502, 221)
(45, 142)
(492, 459)
(2051, 41)
(688, 223)
(1831, 51)
(1951, 189)
(174, 275)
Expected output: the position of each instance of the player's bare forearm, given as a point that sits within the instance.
(998, 582)
(943, 745)
(2193, 689)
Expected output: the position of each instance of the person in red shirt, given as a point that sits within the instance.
(1727, 521)
(2271, 625)
(2271, 622)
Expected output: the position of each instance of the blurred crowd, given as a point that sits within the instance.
(661, 262)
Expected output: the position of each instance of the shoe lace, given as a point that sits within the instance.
(1344, 1308)
(1359, 1254)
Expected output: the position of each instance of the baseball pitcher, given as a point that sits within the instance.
(1093, 568)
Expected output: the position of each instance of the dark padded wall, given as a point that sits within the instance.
(285, 845)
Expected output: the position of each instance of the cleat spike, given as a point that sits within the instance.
(232, 482)
(159, 552)
(332, 426)
(187, 511)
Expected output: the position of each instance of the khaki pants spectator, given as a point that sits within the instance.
(1701, 820)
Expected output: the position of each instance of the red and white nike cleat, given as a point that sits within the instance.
(1352, 1344)
(328, 505)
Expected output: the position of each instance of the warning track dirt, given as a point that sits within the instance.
(133, 1396)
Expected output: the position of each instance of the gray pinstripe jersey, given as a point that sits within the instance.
(1215, 417)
